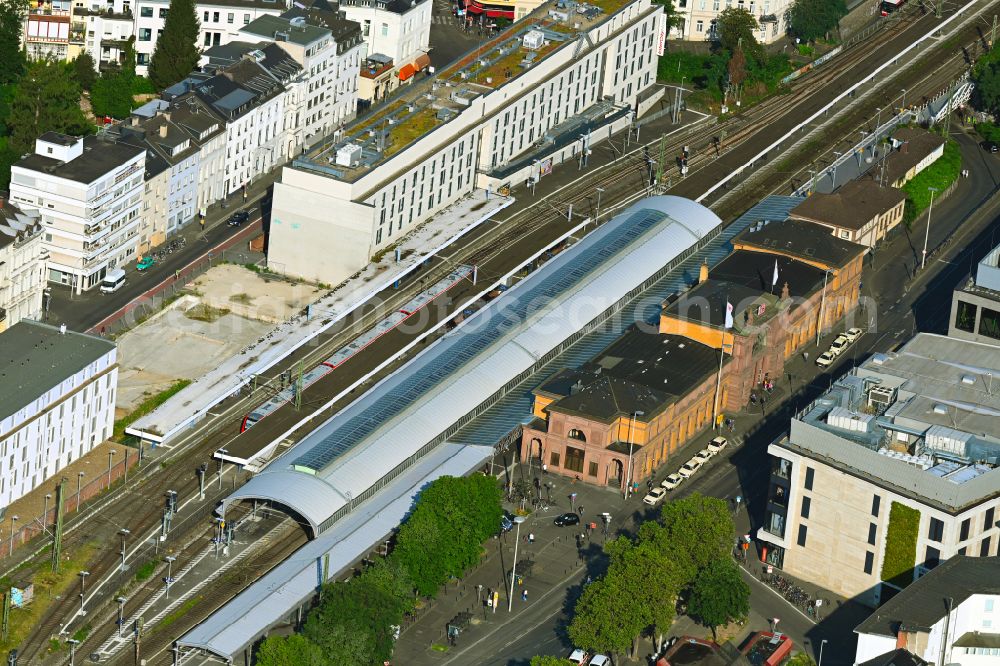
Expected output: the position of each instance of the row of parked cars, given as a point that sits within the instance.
(839, 346)
(687, 470)
(582, 658)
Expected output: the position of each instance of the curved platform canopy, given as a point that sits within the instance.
(391, 424)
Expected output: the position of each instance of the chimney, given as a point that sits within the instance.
(163, 131)
(703, 273)
(784, 292)
(133, 121)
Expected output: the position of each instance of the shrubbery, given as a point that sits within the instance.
(901, 545)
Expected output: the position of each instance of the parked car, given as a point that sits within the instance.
(990, 146)
(578, 656)
(702, 456)
(853, 334)
(688, 469)
(566, 520)
(653, 497)
(145, 263)
(718, 444)
(672, 481)
(839, 344)
(238, 218)
(600, 660)
(506, 522)
(825, 359)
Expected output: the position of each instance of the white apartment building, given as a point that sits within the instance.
(338, 206)
(55, 405)
(220, 22)
(950, 616)
(889, 473)
(89, 193)
(22, 265)
(324, 94)
(698, 18)
(106, 33)
(399, 29)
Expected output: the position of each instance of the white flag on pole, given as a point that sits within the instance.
(774, 280)
(729, 314)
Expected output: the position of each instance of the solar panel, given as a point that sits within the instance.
(453, 353)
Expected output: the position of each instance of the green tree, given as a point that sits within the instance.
(695, 531)
(294, 650)
(546, 660)
(444, 534)
(176, 53)
(346, 644)
(111, 95)
(47, 99)
(812, 19)
(673, 18)
(84, 70)
(737, 69)
(606, 618)
(801, 659)
(719, 595)
(12, 60)
(736, 27)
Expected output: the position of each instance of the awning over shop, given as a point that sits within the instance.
(406, 72)
(422, 62)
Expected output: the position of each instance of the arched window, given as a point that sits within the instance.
(577, 434)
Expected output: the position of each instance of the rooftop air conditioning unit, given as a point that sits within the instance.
(881, 396)
(349, 155)
(533, 39)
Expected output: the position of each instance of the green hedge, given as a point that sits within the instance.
(901, 545)
(988, 131)
(941, 174)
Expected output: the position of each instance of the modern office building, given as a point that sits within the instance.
(860, 211)
(951, 615)
(57, 402)
(975, 305)
(22, 265)
(784, 280)
(890, 472)
(480, 124)
(88, 192)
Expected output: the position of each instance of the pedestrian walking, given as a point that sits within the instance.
(581, 509)
(531, 537)
(524, 594)
(545, 469)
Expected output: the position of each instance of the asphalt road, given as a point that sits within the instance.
(904, 304)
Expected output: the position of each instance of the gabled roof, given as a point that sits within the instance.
(805, 240)
(897, 657)
(924, 603)
(852, 206)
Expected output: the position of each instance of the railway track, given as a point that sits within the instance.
(629, 174)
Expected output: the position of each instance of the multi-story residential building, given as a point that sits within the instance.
(323, 95)
(890, 472)
(219, 21)
(975, 305)
(399, 29)
(56, 406)
(629, 408)
(698, 18)
(22, 265)
(249, 97)
(89, 193)
(47, 28)
(483, 10)
(861, 211)
(784, 280)
(107, 33)
(950, 616)
(475, 124)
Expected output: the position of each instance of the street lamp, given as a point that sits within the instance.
(10, 548)
(927, 232)
(72, 650)
(834, 186)
(822, 306)
(121, 614)
(111, 457)
(124, 532)
(79, 482)
(821, 644)
(83, 588)
(631, 424)
(45, 513)
(902, 104)
(170, 562)
(597, 219)
(513, 570)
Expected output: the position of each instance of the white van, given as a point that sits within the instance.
(113, 281)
